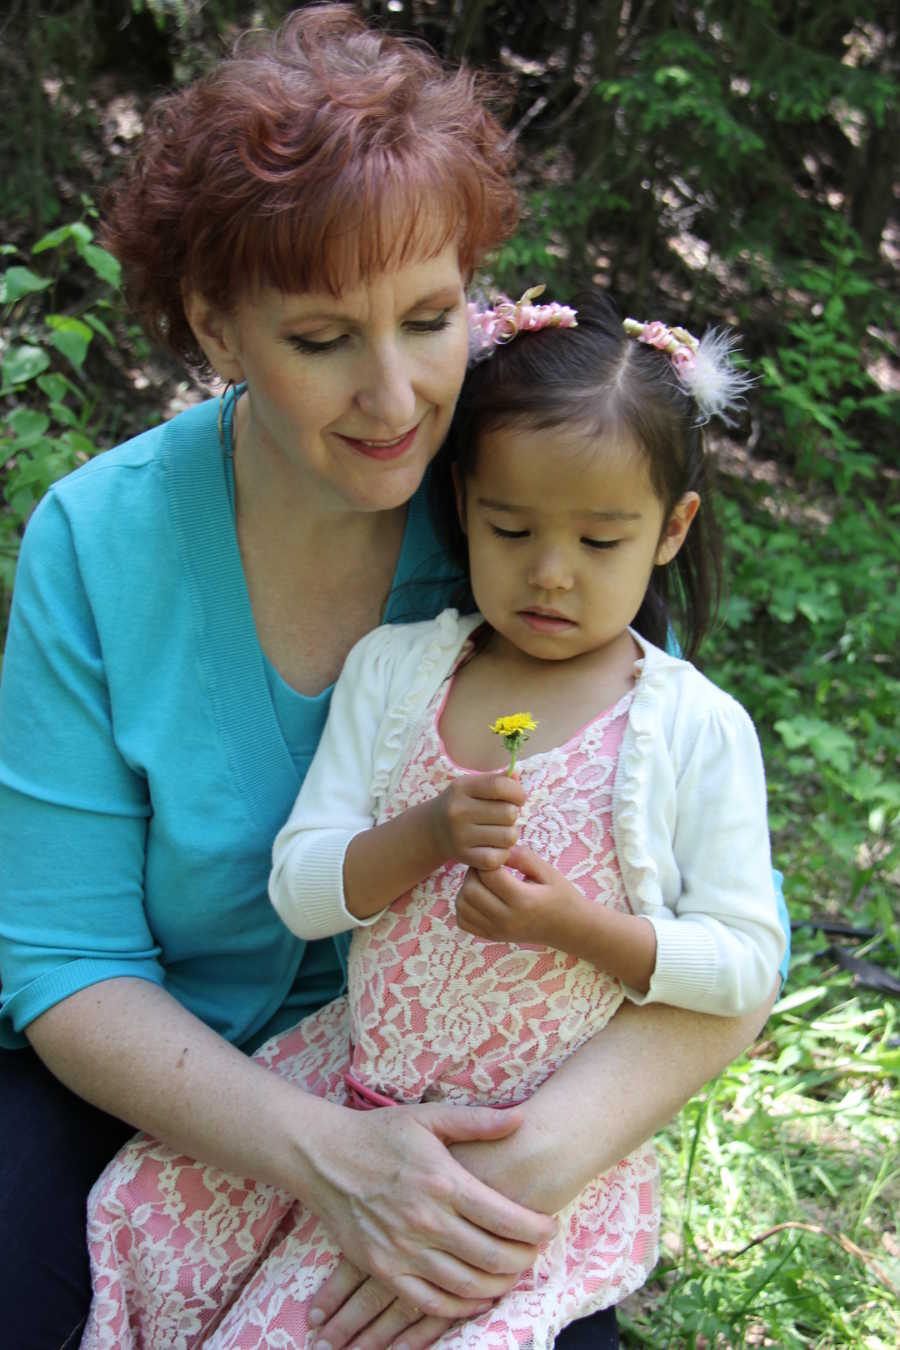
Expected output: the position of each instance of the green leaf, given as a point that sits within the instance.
(56, 386)
(19, 281)
(27, 426)
(21, 502)
(71, 337)
(61, 413)
(77, 230)
(800, 998)
(22, 364)
(78, 444)
(107, 267)
(100, 327)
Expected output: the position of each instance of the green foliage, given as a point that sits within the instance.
(809, 643)
(777, 1182)
(817, 379)
(761, 136)
(49, 426)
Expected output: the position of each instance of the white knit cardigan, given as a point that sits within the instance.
(689, 812)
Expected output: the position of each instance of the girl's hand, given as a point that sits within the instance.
(475, 819)
(358, 1310)
(540, 906)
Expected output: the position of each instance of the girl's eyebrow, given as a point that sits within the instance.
(493, 504)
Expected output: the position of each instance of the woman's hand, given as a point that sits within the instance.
(398, 1203)
(475, 819)
(401, 1208)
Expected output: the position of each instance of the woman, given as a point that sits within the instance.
(303, 222)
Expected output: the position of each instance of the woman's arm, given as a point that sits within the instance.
(384, 1183)
(627, 1083)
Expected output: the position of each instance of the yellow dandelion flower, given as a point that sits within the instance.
(515, 722)
(514, 729)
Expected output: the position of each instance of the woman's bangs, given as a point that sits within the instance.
(349, 240)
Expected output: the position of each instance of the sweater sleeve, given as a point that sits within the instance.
(306, 884)
(719, 946)
(73, 813)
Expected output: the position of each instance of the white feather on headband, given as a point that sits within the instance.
(704, 368)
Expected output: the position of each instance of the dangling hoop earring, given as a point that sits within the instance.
(231, 389)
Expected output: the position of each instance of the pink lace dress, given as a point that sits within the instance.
(184, 1255)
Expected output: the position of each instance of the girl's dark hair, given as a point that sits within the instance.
(597, 378)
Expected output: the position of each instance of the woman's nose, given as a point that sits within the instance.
(550, 571)
(387, 393)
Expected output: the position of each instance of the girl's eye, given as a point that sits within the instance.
(435, 325)
(509, 534)
(601, 543)
(310, 348)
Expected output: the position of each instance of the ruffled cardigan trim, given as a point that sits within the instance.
(689, 812)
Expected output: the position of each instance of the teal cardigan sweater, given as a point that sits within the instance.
(149, 753)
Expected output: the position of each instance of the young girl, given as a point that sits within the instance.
(501, 919)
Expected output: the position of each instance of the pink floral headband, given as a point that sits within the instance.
(702, 367)
(491, 327)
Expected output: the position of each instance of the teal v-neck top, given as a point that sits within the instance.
(148, 750)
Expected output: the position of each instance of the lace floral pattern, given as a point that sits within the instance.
(186, 1256)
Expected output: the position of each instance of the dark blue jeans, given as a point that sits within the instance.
(53, 1146)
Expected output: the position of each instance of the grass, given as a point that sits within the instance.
(781, 1187)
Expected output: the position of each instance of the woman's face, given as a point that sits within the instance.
(349, 396)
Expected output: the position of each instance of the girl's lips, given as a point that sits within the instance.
(382, 449)
(546, 623)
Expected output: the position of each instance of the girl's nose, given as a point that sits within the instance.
(387, 393)
(550, 571)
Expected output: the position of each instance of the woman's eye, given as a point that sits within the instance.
(435, 325)
(601, 543)
(509, 534)
(311, 348)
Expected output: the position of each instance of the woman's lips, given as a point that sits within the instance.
(546, 622)
(382, 449)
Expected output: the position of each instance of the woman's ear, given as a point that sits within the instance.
(676, 528)
(216, 334)
(460, 489)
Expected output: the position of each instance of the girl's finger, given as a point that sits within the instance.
(364, 1304)
(496, 787)
(531, 864)
(424, 1333)
(400, 1325)
(339, 1286)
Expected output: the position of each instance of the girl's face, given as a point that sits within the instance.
(563, 533)
(351, 395)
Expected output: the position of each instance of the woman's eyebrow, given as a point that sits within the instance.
(444, 295)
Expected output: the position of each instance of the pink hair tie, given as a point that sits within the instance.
(490, 327)
(703, 368)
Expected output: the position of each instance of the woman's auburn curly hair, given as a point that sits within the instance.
(313, 158)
